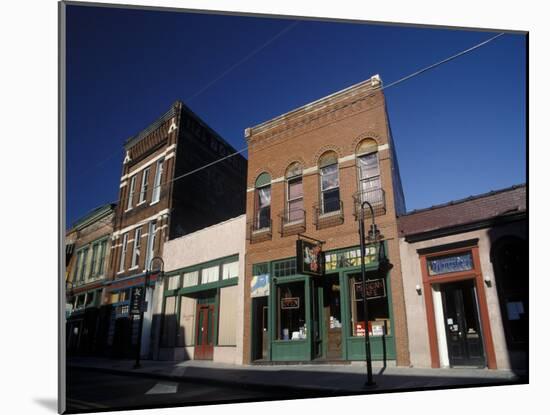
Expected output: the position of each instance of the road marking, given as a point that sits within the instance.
(163, 387)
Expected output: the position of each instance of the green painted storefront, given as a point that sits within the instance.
(315, 344)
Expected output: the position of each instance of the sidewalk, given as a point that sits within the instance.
(322, 379)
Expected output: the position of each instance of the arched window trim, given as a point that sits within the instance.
(262, 201)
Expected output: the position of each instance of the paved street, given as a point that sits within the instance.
(91, 391)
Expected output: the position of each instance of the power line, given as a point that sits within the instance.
(213, 81)
(407, 77)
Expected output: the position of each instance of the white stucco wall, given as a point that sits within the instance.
(217, 241)
(415, 306)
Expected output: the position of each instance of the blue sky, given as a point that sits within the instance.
(459, 129)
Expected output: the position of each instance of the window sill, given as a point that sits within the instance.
(294, 223)
(260, 231)
(133, 268)
(329, 214)
(120, 272)
(154, 202)
(129, 209)
(141, 203)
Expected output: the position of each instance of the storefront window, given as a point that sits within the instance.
(291, 311)
(378, 310)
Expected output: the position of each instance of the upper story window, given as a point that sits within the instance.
(144, 184)
(294, 193)
(83, 264)
(263, 201)
(156, 183)
(368, 171)
(137, 247)
(123, 252)
(131, 192)
(151, 238)
(330, 183)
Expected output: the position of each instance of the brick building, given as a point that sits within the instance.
(158, 202)
(466, 281)
(88, 244)
(308, 172)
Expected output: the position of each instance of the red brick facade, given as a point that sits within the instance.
(336, 123)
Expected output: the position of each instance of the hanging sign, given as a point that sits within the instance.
(136, 300)
(374, 289)
(309, 258)
(290, 303)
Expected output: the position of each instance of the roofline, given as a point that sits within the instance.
(133, 140)
(374, 82)
(93, 216)
(464, 227)
(466, 199)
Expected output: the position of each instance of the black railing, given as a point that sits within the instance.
(377, 199)
(328, 213)
(259, 229)
(292, 221)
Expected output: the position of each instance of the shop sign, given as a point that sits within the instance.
(290, 303)
(452, 263)
(136, 300)
(350, 258)
(374, 289)
(360, 329)
(259, 286)
(309, 258)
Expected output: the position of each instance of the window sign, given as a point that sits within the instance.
(450, 263)
(259, 286)
(290, 303)
(374, 289)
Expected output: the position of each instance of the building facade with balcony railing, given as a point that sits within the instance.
(309, 171)
(88, 246)
(159, 201)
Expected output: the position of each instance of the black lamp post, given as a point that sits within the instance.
(372, 237)
(148, 274)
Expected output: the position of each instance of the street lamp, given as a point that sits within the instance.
(372, 236)
(148, 273)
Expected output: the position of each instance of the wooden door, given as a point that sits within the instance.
(464, 340)
(204, 337)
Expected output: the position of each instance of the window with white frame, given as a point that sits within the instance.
(190, 279)
(131, 192)
(294, 193)
(95, 257)
(78, 265)
(151, 238)
(368, 171)
(123, 252)
(84, 263)
(230, 270)
(144, 184)
(156, 183)
(137, 247)
(102, 253)
(263, 201)
(211, 274)
(330, 183)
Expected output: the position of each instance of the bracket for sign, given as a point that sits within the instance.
(301, 236)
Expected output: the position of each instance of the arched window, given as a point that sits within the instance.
(262, 217)
(329, 182)
(294, 193)
(368, 171)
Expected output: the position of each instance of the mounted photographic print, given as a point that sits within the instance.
(199, 148)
